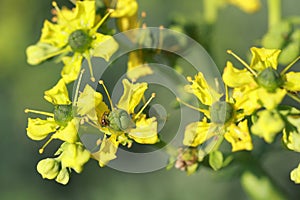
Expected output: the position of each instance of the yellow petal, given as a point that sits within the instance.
(58, 95)
(292, 81)
(145, 131)
(197, 133)
(271, 100)
(39, 129)
(295, 175)
(202, 90)
(263, 58)
(107, 151)
(234, 77)
(71, 69)
(292, 140)
(268, 125)
(63, 176)
(68, 133)
(104, 46)
(84, 14)
(90, 103)
(73, 156)
(132, 95)
(52, 35)
(40, 52)
(48, 168)
(239, 136)
(247, 99)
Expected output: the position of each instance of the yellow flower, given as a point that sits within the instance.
(121, 124)
(69, 156)
(260, 84)
(61, 122)
(291, 131)
(223, 118)
(248, 6)
(75, 32)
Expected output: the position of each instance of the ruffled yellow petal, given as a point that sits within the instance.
(83, 16)
(145, 131)
(292, 140)
(234, 77)
(71, 69)
(132, 95)
(196, 133)
(52, 34)
(292, 81)
(268, 125)
(247, 99)
(104, 46)
(39, 129)
(107, 151)
(68, 133)
(263, 58)
(48, 168)
(295, 175)
(63, 176)
(73, 156)
(248, 6)
(270, 100)
(40, 52)
(90, 103)
(58, 95)
(239, 137)
(202, 90)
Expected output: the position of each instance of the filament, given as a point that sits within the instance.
(39, 112)
(243, 62)
(107, 94)
(145, 105)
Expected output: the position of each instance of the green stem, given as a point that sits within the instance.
(274, 12)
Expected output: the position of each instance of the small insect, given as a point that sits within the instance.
(104, 119)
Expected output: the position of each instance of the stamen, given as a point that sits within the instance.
(77, 88)
(41, 150)
(91, 69)
(39, 112)
(289, 66)
(145, 105)
(243, 62)
(188, 105)
(189, 79)
(143, 14)
(109, 11)
(107, 94)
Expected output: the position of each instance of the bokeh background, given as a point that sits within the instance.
(22, 86)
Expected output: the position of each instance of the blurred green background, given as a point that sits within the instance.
(22, 86)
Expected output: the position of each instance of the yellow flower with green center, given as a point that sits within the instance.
(75, 33)
(60, 123)
(69, 156)
(120, 124)
(221, 118)
(260, 84)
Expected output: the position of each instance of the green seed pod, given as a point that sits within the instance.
(221, 112)
(48, 168)
(269, 79)
(119, 120)
(79, 41)
(63, 114)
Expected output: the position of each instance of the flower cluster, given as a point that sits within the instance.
(252, 104)
(73, 35)
(254, 108)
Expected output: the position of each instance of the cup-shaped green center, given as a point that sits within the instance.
(120, 120)
(79, 41)
(269, 79)
(221, 112)
(63, 114)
